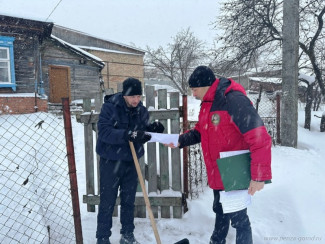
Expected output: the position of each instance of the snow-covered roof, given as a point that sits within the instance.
(18, 95)
(309, 78)
(266, 79)
(107, 50)
(261, 70)
(104, 39)
(79, 50)
(27, 16)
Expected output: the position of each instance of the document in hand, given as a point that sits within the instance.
(234, 201)
(235, 171)
(164, 138)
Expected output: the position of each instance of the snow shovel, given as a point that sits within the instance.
(146, 198)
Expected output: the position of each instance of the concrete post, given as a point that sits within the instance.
(289, 101)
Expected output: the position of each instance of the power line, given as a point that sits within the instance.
(53, 10)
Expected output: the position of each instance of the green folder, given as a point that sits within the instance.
(235, 171)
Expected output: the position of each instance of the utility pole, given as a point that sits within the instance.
(290, 50)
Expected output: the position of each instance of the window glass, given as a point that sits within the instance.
(3, 53)
(7, 72)
(4, 65)
(4, 72)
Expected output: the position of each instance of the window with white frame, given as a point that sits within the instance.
(7, 72)
(4, 65)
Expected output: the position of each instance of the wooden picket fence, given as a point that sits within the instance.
(161, 166)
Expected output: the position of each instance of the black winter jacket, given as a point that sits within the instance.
(115, 121)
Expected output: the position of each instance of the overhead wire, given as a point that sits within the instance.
(53, 10)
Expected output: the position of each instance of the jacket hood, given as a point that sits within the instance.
(113, 98)
(222, 86)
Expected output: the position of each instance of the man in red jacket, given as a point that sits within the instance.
(228, 122)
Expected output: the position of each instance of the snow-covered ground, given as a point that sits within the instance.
(290, 210)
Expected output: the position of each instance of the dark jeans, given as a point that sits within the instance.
(115, 175)
(239, 221)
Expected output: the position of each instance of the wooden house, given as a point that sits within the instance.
(68, 71)
(37, 67)
(121, 61)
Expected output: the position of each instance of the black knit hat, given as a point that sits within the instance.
(201, 76)
(131, 87)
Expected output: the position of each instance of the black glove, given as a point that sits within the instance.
(156, 127)
(138, 136)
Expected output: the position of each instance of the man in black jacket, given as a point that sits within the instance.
(123, 118)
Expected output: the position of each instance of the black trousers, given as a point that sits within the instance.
(115, 175)
(239, 220)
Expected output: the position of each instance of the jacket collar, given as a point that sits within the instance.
(222, 86)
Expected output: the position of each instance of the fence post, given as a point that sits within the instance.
(72, 170)
(163, 154)
(185, 153)
(151, 151)
(89, 155)
(175, 154)
(278, 137)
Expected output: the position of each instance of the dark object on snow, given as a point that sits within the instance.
(39, 124)
(322, 122)
(184, 241)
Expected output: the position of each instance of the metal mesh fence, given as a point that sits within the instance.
(197, 172)
(266, 106)
(35, 200)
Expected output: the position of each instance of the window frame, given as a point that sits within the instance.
(8, 44)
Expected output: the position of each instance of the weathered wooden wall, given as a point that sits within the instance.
(84, 77)
(28, 36)
(26, 54)
(121, 61)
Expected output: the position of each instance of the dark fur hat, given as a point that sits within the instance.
(131, 87)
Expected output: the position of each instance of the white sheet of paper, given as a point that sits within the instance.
(164, 138)
(232, 153)
(233, 201)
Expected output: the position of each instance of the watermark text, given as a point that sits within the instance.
(293, 238)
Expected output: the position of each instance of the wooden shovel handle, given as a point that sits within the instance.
(145, 195)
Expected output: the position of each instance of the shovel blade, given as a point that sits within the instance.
(184, 241)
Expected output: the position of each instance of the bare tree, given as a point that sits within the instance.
(309, 102)
(254, 27)
(179, 58)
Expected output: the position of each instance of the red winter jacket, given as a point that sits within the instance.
(229, 122)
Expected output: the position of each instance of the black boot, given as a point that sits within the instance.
(128, 238)
(104, 240)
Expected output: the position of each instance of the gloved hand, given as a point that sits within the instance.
(156, 127)
(138, 136)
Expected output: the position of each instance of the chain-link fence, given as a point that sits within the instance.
(35, 200)
(267, 107)
(198, 179)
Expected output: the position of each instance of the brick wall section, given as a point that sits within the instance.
(22, 105)
(119, 66)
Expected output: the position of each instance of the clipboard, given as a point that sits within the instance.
(235, 172)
